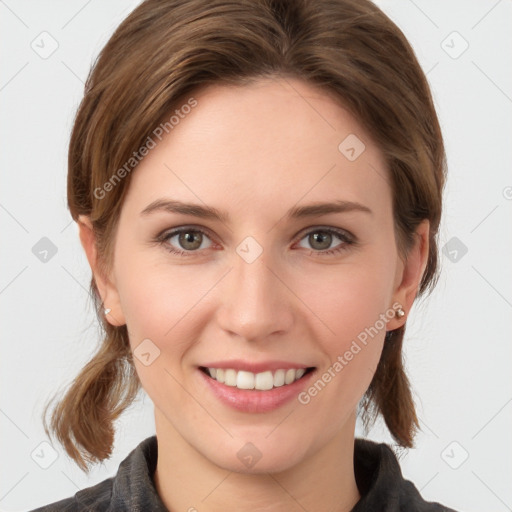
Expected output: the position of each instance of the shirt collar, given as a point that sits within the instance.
(377, 473)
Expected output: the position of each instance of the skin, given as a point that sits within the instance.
(275, 144)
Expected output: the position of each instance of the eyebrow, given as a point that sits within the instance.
(297, 212)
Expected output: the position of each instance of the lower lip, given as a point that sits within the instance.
(251, 400)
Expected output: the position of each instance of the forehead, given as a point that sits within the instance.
(272, 142)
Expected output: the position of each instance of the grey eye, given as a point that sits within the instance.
(187, 240)
(321, 239)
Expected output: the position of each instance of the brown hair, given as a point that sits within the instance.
(166, 50)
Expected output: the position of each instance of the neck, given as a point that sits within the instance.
(187, 480)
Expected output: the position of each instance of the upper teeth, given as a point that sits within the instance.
(262, 381)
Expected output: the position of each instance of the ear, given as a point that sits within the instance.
(409, 273)
(107, 289)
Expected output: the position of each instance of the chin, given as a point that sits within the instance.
(257, 456)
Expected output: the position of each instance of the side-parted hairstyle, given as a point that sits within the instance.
(157, 59)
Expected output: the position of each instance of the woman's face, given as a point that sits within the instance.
(272, 282)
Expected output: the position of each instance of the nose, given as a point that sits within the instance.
(255, 299)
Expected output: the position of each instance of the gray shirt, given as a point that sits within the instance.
(377, 472)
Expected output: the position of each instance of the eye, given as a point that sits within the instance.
(321, 239)
(188, 240)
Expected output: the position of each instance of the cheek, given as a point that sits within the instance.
(160, 303)
(352, 307)
(349, 305)
(144, 288)
(347, 299)
(158, 299)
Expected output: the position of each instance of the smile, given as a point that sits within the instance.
(262, 381)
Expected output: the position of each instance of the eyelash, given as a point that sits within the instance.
(348, 240)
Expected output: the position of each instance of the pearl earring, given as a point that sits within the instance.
(107, 311)
(399, 313)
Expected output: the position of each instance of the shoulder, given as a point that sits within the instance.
(132, 488)
(97, 497)
(382, 485)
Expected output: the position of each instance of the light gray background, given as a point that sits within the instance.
(458, 348)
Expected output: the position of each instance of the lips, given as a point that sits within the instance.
(261, 398)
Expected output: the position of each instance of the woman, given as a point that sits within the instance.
(258, 188)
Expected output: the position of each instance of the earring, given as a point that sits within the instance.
(399, 313)
(107, 311)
